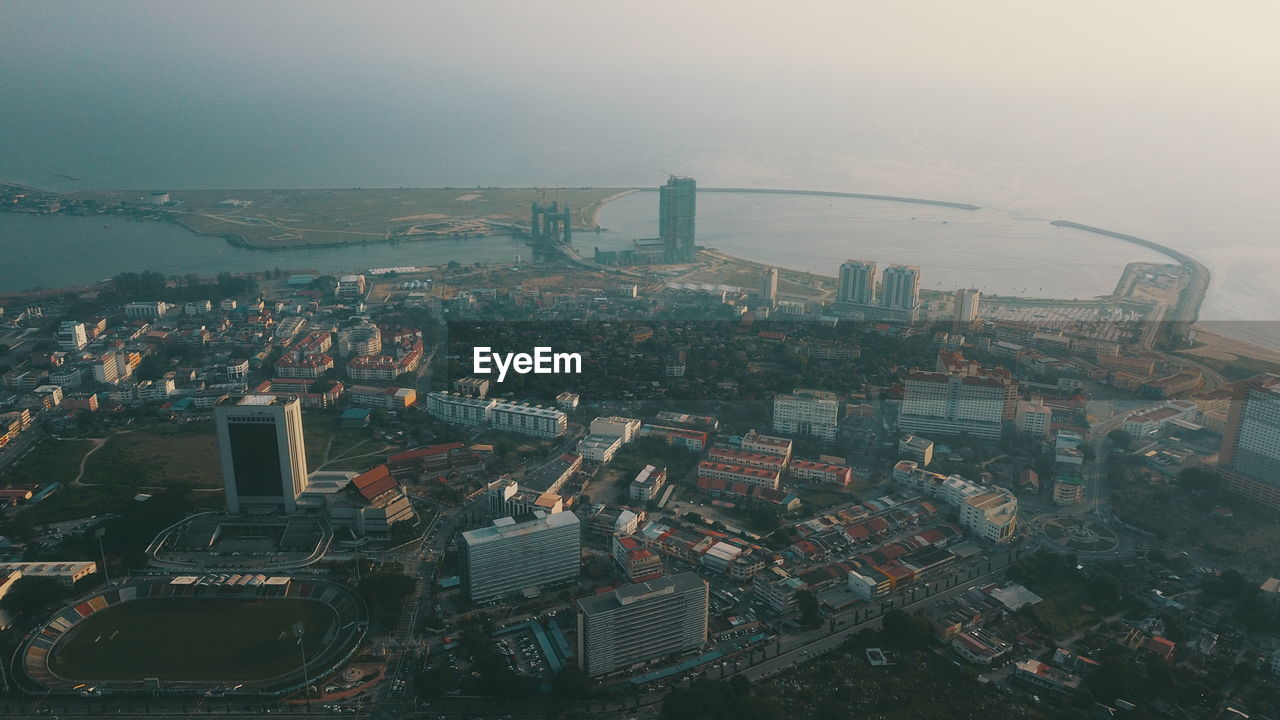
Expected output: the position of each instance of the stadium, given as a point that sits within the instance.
(216, 634)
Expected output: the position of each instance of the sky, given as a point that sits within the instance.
(1155, 117)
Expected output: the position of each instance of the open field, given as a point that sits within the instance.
(328, 441)
(50, 461)
(299, 218)
(160, 456)
(187, 639)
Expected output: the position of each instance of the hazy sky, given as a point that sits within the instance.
(1151, 116)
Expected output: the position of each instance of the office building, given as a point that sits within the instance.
(807, 412)
(518, 555)
(1250, 454)
(857, 282)
(677, 207)
(900, 287)
(640, 622)
(769, 287)
(264, 462)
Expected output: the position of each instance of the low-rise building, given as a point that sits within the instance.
(768, 445)
(1043, 676)
(500, 414)
(1034, 417)
(820, 473)
(625, 428)
(599, 448)
(914, 447)
(67, 573)
(647, 484)
(637, 562)
(777, 589)
(692, 440)
(388, 398)
(712, 470)
(1068, 490)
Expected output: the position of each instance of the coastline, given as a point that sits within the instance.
(1183, 315)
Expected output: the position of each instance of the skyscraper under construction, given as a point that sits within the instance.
(677, 205)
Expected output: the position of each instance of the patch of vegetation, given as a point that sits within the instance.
(160, 456)
(49, 461)
(74, 502)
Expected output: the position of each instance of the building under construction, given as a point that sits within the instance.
(549, 224)
(677, 206)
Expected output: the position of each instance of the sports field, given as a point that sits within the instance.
(192, 639)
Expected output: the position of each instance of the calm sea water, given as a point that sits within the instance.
(997, 252)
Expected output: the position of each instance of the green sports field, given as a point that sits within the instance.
(192, 639)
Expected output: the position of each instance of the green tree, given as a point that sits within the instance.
(384, 591)
(571, 683)
(31, 595)
(906, 631)
(807, 604)
(1120, 438)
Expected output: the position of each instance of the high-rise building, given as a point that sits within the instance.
(967, 306)
(900, 287)
(944, 404)
(513, 555)
(857, 282)
(640, 622)
(677, 207)
(807, 412)
(769, 287)
(1250, 454)
(264, 461)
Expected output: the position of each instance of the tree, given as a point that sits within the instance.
(384, 591)
(1120, 438)
(807, 604)
(906, 631)
(1200, 480)
(571, 683)
(31, 595)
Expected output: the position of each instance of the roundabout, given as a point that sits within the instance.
(1080, 535)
